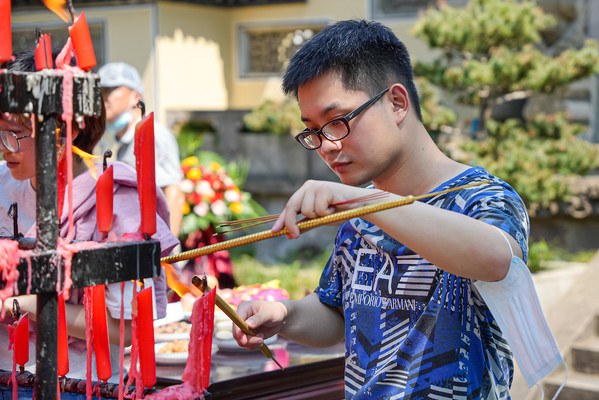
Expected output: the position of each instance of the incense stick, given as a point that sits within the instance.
(233, 316)
(271, 218)
(308, 224)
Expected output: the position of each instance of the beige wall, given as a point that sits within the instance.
(188, 54)
(128, 36)
(247, 92)
(194, 60)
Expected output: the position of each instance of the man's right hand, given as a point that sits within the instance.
(266, 318)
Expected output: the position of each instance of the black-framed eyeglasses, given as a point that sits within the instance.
(10, 141)
(335, 129)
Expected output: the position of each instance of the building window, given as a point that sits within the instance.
(266, 50)
(405, 8)
(24, 37)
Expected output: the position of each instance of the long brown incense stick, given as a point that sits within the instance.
(271, 218)
(233, 316)
(308, 224)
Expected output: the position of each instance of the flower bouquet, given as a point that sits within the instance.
(212, 192)
(213, 195)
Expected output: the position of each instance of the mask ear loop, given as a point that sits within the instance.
(537, 384)
(506, 240)
(562, 385)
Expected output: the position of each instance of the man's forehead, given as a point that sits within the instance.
(324, 94)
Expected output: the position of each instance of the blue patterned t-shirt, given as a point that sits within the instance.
(412, 330)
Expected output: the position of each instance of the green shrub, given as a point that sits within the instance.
(535, 157)
(280, 118)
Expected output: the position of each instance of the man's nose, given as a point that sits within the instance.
(328, 146)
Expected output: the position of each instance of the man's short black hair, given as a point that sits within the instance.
(367, 55)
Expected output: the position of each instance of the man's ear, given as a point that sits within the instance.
(135, 98)
(400, 100)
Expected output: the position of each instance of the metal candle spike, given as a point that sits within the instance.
(13, 212)
(202, 284)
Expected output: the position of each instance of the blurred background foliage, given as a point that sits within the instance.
(277, 117)
(491, 51)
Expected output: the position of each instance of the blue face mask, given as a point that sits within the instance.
(120, 123)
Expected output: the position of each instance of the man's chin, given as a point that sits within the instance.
(352, 180)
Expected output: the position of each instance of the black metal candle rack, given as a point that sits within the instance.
(41, 93)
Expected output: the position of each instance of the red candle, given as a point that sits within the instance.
(61, 183)
(101, 348)
(43, 53)
(104, 201)
(89, 335)
(146, 173)
(145, 329)
(21, 348)
(5, 32)
(82, 43)
(63, 339)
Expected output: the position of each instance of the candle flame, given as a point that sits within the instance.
(173, 280)
(88, 159)
(58, 7)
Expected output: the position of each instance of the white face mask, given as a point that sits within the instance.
(120, 123)
(514, 303)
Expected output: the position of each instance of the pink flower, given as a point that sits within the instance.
(186, 186)
(205, 189)
(218, 207)
(201, 209)
(232, 196)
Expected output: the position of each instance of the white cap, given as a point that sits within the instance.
(120, 74)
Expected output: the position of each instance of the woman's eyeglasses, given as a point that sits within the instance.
(10, 141)
(335, 129)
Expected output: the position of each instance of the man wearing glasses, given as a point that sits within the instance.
(398, 286)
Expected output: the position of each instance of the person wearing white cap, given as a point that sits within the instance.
(122, 89)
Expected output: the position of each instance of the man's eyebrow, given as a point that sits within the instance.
(334, 105)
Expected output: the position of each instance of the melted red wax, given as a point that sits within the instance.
(61, 179)
(27, 257)
(65, 166)
(9, 260)
(89, 336)
(67, 116)
(132, 237)
(122, 341)
(66, 251)
(134, 374)
(196, 376)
